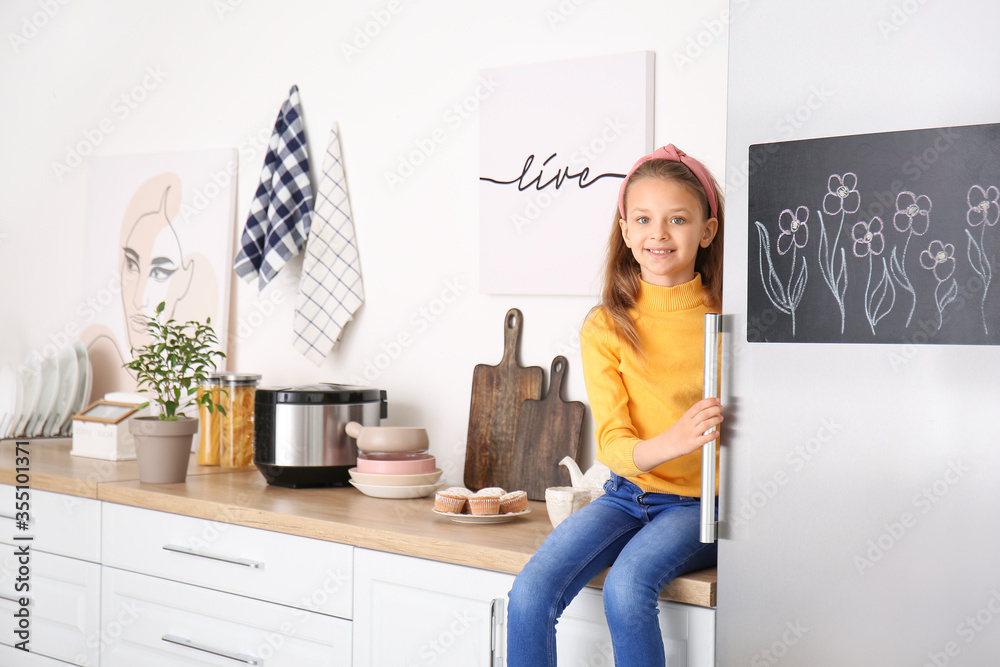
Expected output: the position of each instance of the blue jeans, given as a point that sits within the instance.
(646, 539)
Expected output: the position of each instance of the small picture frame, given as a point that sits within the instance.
(107, 412)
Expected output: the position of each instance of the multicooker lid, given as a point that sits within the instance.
(319, 394)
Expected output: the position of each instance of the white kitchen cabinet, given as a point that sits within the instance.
(410, 611)
(583, 638)
(297, 571)
(63, 574)
(64, 606)
(164, 623)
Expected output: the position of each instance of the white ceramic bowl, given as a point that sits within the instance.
(397, 492)
(388, 438)
(381, 479)
(398, 463)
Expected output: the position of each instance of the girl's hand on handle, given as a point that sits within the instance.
(687, 435)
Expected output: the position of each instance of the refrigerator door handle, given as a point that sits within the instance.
(713, 327)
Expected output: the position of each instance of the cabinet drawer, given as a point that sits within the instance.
(64, 606)
(60, 524)
(163, 623)
(297, 571)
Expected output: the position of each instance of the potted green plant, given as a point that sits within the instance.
(172, 366)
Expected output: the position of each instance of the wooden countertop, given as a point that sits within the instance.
(344, 515)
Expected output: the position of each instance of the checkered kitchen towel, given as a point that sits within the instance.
(278, 223)
(330, 289)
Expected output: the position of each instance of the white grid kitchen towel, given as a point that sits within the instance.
(278, 222)
(330, 289)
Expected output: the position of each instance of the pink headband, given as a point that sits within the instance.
(671, 152)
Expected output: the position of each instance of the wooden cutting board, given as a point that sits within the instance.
(497, 394)
(547, 431)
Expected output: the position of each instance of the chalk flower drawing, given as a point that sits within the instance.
(842, 194)
(794, 234)
(841, 197)
(984, 210)
(793, 229)
(939, 258)
(869, 241)
(912, 218)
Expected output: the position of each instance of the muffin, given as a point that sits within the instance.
(452, 500)
(485, 501)
(515, 501)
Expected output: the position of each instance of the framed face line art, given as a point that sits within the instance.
(171, 219)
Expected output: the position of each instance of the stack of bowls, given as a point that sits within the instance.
(393, 462)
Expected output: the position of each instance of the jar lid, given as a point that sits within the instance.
(319, 394)
(238, 378)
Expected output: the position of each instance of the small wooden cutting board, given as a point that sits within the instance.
(547, 431)
(497, 394)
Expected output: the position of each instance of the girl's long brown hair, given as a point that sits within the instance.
(621, 272)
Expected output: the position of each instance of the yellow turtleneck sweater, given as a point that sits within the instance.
(634, 399)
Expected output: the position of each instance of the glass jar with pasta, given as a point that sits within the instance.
(209, 423)
(237, 393)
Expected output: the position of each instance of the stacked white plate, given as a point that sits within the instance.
(40, 399)
(394, 462)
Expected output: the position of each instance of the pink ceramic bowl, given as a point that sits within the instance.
(396, 463)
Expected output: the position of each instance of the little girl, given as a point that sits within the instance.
(642, 353)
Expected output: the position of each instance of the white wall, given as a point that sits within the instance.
(222, 69)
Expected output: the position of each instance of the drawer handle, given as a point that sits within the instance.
(235, 561)
(238, 657)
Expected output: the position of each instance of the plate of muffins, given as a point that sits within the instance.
(489, 505)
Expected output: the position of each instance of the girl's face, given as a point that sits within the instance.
(664, 227)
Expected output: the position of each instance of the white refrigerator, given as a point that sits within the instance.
(860, 484)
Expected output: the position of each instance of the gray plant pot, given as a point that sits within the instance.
(162, 448)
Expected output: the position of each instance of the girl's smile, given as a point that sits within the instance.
(665, 227)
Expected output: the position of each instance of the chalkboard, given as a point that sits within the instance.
(876, 238)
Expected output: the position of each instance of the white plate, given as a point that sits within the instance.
(66, 395)
(398, 492)
(31, 377)
(381, 479)
(482, 518)
(10, 399)
(47, 398)
(82, 384)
